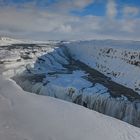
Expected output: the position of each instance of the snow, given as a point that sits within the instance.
(47, 69)
(46, 73)
(73, 80)
(119, 60)
(8, 41)
(32, 117)
(15, 58)
(4, 41)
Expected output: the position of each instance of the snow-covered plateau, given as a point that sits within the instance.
(102, 75)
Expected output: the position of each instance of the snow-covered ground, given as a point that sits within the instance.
(25, 116)
(51, 71)
(15, 58)
(119, 60)
(74, 71)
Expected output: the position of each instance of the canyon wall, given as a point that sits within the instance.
(119, 60)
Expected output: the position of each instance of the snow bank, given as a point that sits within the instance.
(96, 98)
(32, 117)
(119, 60)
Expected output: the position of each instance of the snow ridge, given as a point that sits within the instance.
(32, 117)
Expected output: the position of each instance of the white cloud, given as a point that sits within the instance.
(30, 22)
(65, 28)
(65, 6)
(130, 11)
(81, 3)
(111, 10)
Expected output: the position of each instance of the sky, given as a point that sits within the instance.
(70, 19)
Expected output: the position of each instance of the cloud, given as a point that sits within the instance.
(65, 28)
(32, 22)
(65, 6)
(111, 10)
(81, 3)
(130, 11)
(50, 5)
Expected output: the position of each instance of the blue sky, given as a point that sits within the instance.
(97, 7)
(70, 19)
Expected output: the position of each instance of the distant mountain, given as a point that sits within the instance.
(6, 41)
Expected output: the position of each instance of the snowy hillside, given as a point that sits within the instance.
(119, 60)
(32, 117)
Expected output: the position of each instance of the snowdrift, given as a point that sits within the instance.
(32, 117)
